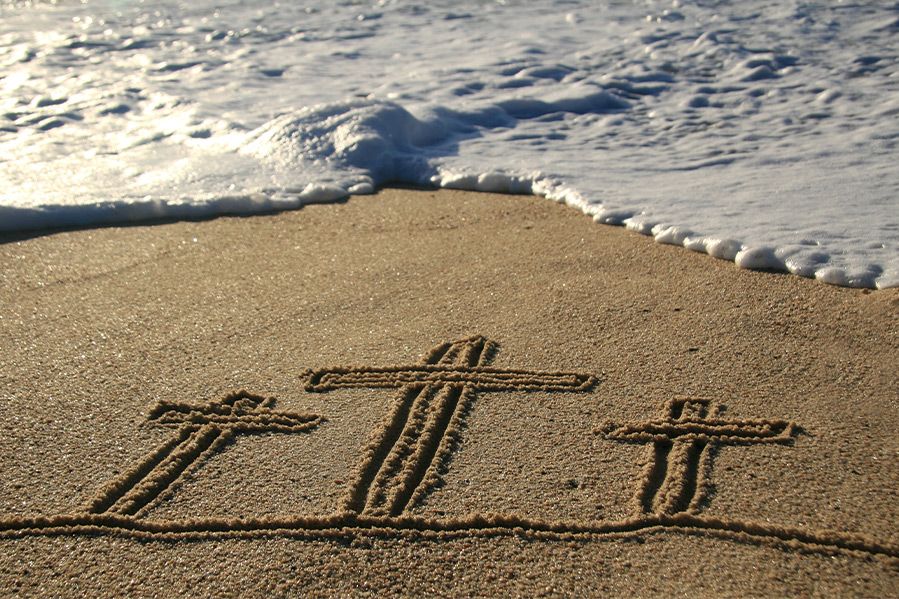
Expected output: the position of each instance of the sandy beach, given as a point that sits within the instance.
(437, 392)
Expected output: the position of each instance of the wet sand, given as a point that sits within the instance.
(445, 393)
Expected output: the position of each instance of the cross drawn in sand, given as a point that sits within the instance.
(680, 454)
(203, 430)
(405, 461)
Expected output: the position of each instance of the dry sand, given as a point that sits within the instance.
(719, 431)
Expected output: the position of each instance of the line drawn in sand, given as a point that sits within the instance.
(408, 456)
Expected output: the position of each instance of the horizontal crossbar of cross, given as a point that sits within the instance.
(717, 430)
(478, 378)
(257, 419)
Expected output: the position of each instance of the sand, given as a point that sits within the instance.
(437, 392)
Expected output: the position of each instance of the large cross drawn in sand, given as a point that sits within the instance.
(404, 462)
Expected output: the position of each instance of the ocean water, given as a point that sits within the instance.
(762, 132)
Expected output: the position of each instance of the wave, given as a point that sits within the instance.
(756, 136)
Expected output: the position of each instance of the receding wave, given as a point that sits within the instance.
(754, 134)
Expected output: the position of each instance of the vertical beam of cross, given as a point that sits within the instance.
(202, 430)
(404, 461)
(680, 461)
(408, 456)
(679, 451)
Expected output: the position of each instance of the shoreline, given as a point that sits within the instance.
(758, 259)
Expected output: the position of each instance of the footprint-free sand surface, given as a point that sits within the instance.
(437, 392)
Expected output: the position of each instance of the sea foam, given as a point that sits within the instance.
(763, 133)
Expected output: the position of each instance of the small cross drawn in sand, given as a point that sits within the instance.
(202, 430)
(680, 454)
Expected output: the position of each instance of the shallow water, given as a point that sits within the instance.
(759, 132)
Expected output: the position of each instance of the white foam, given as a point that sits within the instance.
(761, 132)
